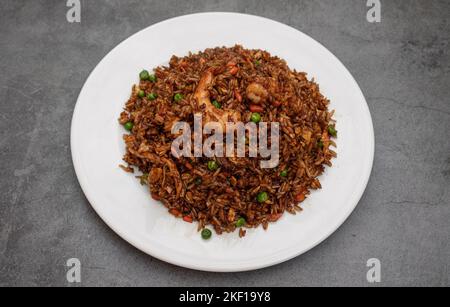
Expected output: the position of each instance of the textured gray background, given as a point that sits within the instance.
(401, 64)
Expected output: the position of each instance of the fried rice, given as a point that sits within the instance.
(242, 82)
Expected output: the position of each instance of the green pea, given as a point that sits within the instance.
(213, 165)
(152, 78)
(128, 126)
(284, 173)
(152, 96)
(332, 131)
(178, 97)
(256, 118)
(206, 234)
(320, 144)
(262, 197)
(217, 104)
(241, 222)
(141, 94)
(257, 62)
(198, 181)
(144, 75)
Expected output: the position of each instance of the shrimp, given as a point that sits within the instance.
(257, 93)
(212, 114)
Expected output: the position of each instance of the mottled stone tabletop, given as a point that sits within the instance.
(402, 65)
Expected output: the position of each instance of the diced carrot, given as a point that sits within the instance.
(300, 197)
(276, 103)
(275, 217)
(231, 64)
(155, 196)
(238, 95)
(256, 108)
(187, 219)
(234, 70)
(174, 212)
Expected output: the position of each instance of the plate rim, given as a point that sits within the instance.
(245, 267)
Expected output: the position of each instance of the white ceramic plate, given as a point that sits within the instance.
(97, 146)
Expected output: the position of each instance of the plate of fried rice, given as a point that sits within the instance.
(222, 142)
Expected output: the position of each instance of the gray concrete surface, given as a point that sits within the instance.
(402, 65)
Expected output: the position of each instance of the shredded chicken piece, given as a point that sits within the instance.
(213, 114)
(173, 171)
(307, 136)
(155, 174)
